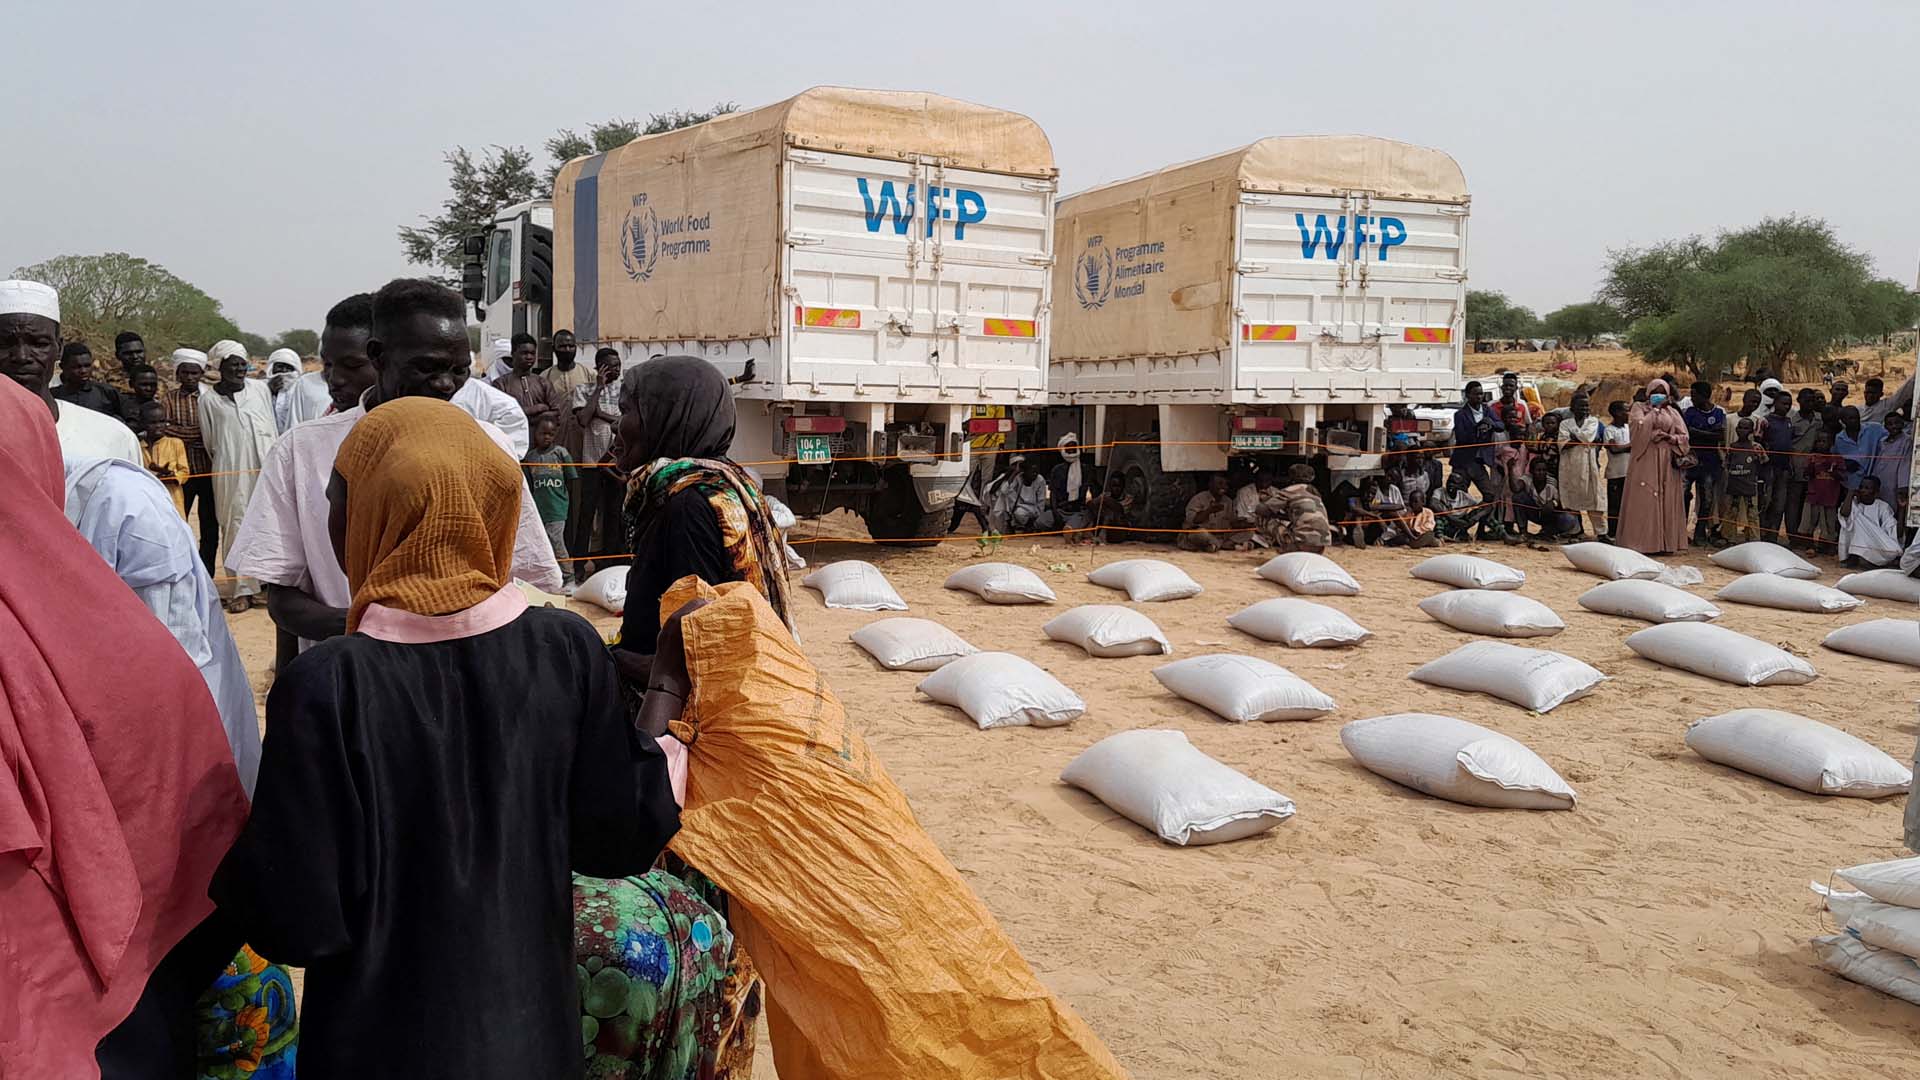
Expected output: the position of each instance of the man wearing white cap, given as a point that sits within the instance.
(236, 420)
(29, 350)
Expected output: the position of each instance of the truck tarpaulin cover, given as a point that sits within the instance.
(1145, 266)
(879, 961)
(676, 236)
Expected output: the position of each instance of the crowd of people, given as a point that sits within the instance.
(429, 810)
(165, 864)
(1816, 473)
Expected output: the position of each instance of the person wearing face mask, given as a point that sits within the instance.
(1653, 517)
(283, 375)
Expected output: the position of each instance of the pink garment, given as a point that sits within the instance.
(118, 792)
(676, 752)
(410, 628)
(1653, 512)
(283, 539)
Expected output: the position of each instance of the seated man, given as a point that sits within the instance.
(1536, 501)
(1374, 513)
(1458, 512)
(1294, 518)
(1029, 500)
(1210, 520)
(1868, 535)
(1113, 506)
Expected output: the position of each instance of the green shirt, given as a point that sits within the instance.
(552, 469)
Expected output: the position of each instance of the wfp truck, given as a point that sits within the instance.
(1263, 305)
(877, 264)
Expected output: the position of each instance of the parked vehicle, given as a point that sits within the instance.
(881, 259)
(1268, 303)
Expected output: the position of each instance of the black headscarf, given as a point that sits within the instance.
(686, 409)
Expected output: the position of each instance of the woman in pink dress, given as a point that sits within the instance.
(1653, 515)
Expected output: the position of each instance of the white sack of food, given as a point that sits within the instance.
(1309, 574)
(1243, 688)
(856, 585)
(1681, 577)
(1762, 557)
(1160, 781)
(1001, 583)
(907, 644)
(1469, 572)
(1720, 653)
(1788, 594)
(1612, 562)
(1888, 584)
(1499, 614)
(1799, 752)
(1649, 601)
(1301, 624)
(1883, 926)
(1896, 641)
(1535, 679)
(1881, 969)
(1452, 759)
(606, 589)
(1108, 631)
(1146, 580)
(1895, 881)
(1000, 689)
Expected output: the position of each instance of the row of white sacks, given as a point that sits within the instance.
(1160, 781)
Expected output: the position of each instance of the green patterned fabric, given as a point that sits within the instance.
(652, 959)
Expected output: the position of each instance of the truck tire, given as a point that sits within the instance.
(1159, 498)
(894, 516)
(537, 280)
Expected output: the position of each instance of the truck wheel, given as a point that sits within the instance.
(1159, 499)
(894, 516)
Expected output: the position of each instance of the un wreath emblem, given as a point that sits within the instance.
(1093, 277)
(640, 242)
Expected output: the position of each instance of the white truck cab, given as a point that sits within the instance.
(509, 274)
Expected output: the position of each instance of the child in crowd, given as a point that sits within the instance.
(1820, 520)
(549, 480)
(1619, 437)
(166, 456)
(1457, 511)
(1745, 460)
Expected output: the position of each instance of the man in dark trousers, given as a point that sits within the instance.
(1474, 426)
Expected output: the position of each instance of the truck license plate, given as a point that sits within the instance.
(1259, 440)
(812, 449)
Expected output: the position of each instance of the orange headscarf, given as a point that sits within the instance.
(432, 509)
(118, 795)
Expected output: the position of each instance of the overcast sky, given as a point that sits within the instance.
(267, 152)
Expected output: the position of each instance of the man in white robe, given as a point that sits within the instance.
(1867, 527)
(129, 518)
(485, 402)
(236, 421)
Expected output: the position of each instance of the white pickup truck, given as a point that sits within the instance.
(881, 259)
(1266, 304)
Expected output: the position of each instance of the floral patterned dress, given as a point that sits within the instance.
(653, 961)
(248, 1026)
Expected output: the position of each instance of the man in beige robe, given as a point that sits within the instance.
(1583, 466)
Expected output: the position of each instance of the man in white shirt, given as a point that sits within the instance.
(1618, 436)
(29, 350)
(495, 406)
(376, 348)
(1868, 534)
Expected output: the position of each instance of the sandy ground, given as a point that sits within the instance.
(1658, 930)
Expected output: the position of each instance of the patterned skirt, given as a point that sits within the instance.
(248, 1026)
(655, 963)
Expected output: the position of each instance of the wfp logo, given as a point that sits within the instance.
(1093, 275)
(640, 241)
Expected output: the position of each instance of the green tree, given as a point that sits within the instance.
(504, 175)
(304, 342)
(1782, 291)
(1491, 316)
(1582, 322)
(101, 295)
(478, 189)
(257, 346)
